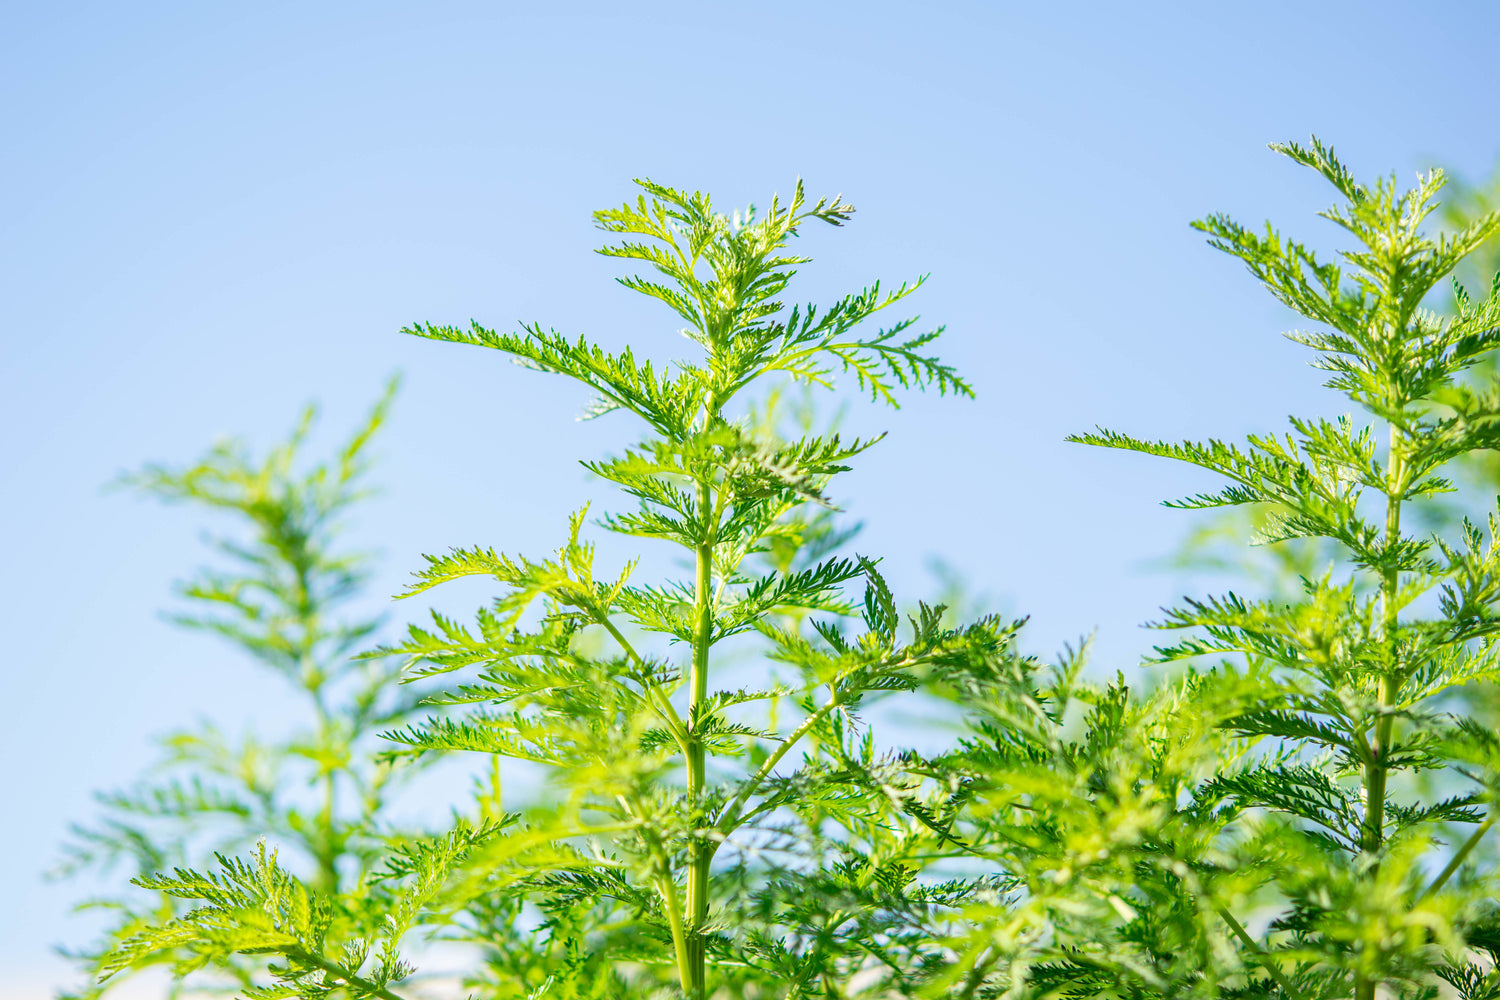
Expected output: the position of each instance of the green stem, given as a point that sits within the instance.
(1372, 836)
(1260, 953)
(324, 846)
(349, 978)
(700, 850)
(1458, 858)
(328, 854)
(975, 978)
(493, 807)
(732, 810)
(654, 695)
(666, 887)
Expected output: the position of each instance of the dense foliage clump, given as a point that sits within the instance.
(1297, 804)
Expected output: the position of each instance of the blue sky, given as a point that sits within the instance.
(213, 213)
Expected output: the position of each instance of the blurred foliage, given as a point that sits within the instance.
(279, 594)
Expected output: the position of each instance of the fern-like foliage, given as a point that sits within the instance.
(280, 596)
(715, 480)
(1354, 786)
(677, 761)
(1294, 811)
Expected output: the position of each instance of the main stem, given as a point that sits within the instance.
(328, 869)
(325, 848)
(1373, 833)
(700, 850)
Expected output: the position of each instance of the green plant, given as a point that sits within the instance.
(280, 599)
(1216, 545)
(616, 686)
(1299, 812)
(1349, 679)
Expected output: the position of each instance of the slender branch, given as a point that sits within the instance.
(1260, 953)
(1376, 770)
(493, 806)
(729, 814)
(731, 811)
(654, 693)
(339, 972)
(975, 978)
(666, 888)
(1458, 859)
(328, 852)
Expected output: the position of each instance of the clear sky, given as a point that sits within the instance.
(213, 212)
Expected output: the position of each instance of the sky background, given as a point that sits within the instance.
(211, 213)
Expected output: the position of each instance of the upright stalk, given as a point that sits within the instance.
(1373, 833)
(322, 841)
(328, 870)
(700, 850)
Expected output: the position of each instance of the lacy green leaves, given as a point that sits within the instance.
(257, 907)
(1299, 809)
(610, 681)
(289, 565)
(724, 278)
(1336, 689)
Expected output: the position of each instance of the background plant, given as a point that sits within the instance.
(279, 594)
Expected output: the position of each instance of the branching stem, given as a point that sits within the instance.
(666, 887)
(654, 694)
(344, 975)
(726, 823)
(1377, 765)
(1260, 953)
